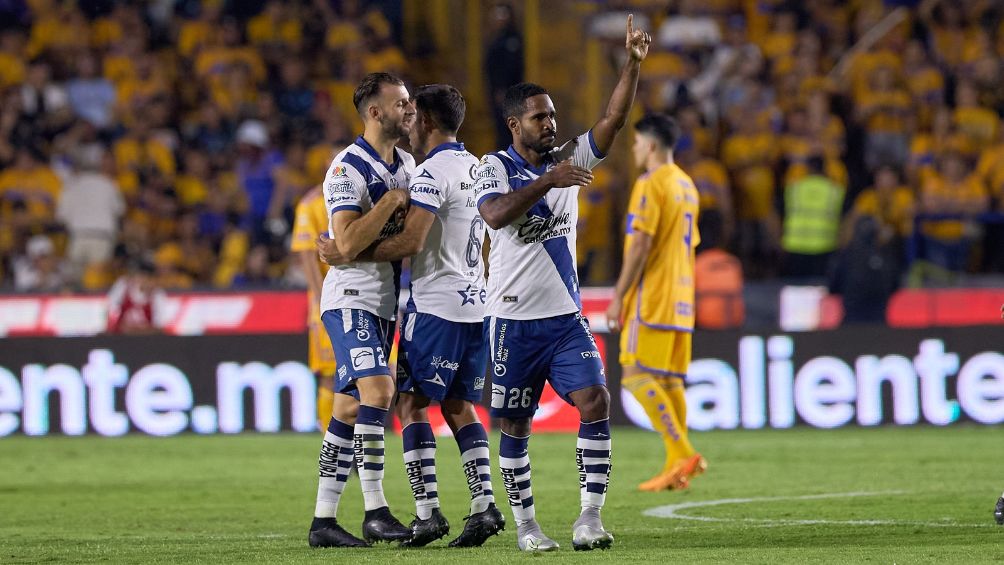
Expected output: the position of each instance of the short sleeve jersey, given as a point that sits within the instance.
(531, 263)
(356, 180)
(447, 278)
(664, 205)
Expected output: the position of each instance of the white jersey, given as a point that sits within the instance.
(356, 180)
(447, 278)
(531, 264)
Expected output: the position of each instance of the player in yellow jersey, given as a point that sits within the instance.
(311, 220)
(654, 297)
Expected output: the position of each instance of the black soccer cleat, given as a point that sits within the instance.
(325, 532)
(424, 532)
(480, 527)
(381, 525)
(999, 510)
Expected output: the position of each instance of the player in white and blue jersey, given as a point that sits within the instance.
(527, 196)
(366, 194)
(442, 353)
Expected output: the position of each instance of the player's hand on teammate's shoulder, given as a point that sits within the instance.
(565, 174)
(637, 41)
(328, 251)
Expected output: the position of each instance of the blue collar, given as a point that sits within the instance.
(373, 153)
(448, 146)
(526, 165)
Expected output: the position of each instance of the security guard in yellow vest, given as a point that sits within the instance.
(813, 205)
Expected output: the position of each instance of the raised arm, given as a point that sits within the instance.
(619, 106)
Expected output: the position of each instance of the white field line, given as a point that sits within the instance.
(674, 511)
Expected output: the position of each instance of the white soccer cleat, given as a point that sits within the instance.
(536, 541)
(589, 536)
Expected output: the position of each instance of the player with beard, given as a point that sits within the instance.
(528, 196)
(442, 354)
(366, 194)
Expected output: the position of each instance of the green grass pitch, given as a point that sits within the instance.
(926, 497)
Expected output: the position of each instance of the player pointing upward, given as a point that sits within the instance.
(527, 195)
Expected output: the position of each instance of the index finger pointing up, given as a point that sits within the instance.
(630, 28)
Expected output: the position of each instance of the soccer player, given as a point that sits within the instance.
(527, 195)
(311, 220)
(655, 295)
(365, 191)
(442, 354)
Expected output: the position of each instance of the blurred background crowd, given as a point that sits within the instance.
(857, 142)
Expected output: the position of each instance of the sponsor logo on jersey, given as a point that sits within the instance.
(436, 379)
(510, 299)
(538, 228)
(479, 383)
(350, 292)
(339, 171)
(362, 358)
(441, 363)
(424, 189)
(590, 354)
(341, 187)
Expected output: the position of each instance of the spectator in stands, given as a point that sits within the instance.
(865, 273)
(40, 269)
(953, 190)
(890, 203)
(883, 112)
(750, 155)
(92, 97)
(979, 125)
(90, 207)
(503, 64)
(258, 270)
(256, 168)
(142, 160)
(44, 102)
(812, 208)
(31, 181)
(136, 304)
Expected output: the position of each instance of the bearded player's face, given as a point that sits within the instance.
(538, 126)
(397, 112)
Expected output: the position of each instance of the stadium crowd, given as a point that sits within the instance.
(183, 131)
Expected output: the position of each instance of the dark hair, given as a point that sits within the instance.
(370, 87)
(661, 127)
(515, 98)
(443, 104)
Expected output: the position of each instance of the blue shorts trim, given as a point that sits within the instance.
(524, 354)
(362, 341)
(441, 359)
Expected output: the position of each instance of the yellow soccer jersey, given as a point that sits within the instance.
(311, 220)
(665, 204)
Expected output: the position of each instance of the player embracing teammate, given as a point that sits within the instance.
(528, 317)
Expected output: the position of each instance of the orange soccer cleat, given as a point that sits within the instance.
(693, 465)
(667, 480)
